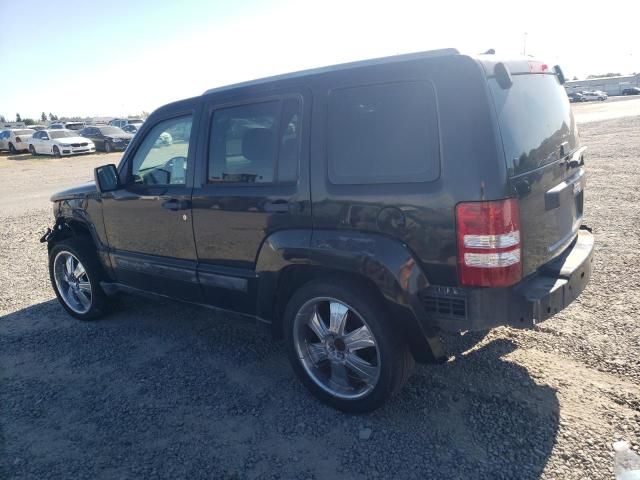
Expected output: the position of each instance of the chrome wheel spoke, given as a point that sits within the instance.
(338, 317)
(79, 271)
(359, 338)
(69, 267)
(361, 368)
(317, 325)
(317, 352)
(84, 287)
(83, 298)
(339, 374)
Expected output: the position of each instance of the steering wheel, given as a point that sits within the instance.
(174, 169)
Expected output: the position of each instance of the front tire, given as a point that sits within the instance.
(32, 150)
(107, 147)
(56, 152)
(343, 346)
(75, 275)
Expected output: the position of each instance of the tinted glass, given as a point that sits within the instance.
(244, 143)
(535, 119)
(111, 131)
(162, 156)
(383, 134)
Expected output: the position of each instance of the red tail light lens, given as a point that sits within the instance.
(489, 243)
(538, 67)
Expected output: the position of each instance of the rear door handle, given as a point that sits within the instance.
(279, 206)
(175, 204)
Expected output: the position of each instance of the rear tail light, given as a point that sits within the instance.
(489, 243)
(18, 140)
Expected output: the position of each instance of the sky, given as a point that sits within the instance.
(122, 57)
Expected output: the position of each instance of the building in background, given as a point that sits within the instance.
(610, 85)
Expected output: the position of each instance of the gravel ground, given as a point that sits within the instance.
(164, 390)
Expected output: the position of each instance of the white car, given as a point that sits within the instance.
(597, 95)
(59, 142)
(16, 140)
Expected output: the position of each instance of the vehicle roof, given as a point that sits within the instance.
(343, 66)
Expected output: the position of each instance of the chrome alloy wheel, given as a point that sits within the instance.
(72, 282)
(336, 348)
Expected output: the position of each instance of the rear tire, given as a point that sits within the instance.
(12, 149)
(56, 152)
(383, 362)
(77, 285)
(107, 147)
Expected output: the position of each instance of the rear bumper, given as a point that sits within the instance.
(536, 298)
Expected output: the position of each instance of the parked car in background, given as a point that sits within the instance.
(15, 140)
(631, 91)
(360, 234)
(38, 127)
(107, 138)
(131, 128)
(595, 95)
(123, 122)
(575, 97)
(67, 125)
(59, 142)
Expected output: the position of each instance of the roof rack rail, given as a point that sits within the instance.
(443, 52)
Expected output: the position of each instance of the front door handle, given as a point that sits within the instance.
(279, 206)
(175, 204)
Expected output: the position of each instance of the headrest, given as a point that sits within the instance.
(257, 144)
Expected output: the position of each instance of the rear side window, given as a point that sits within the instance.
(383, 134)
(256, 143)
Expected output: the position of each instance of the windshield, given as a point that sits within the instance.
(24, 132)
(535, 120)
(111, 131)
(135, 122)
(61, 134)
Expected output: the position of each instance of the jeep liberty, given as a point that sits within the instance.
(360, 210)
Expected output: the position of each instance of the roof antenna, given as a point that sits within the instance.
(491, 51)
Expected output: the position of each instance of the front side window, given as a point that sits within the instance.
(256, 143)
(161, 159)
(383, 133)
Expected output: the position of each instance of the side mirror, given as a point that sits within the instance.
(106, 177)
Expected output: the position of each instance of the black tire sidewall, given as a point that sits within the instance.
(82, 251)
(107, 147)
(390, 343)
(56, 149)
(32, 150)
(12, 149)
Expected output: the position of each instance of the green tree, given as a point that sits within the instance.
(606, 75)
(18, 118)
(52, 117)
(29, 121)
(2, 119)
(43, 117)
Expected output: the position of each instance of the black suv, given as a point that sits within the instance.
(360, 210)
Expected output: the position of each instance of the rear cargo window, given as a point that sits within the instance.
(383, 134)
(535, 119)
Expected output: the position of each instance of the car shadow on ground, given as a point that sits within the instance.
(169, 390)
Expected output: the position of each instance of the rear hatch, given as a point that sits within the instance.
(543, 156)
